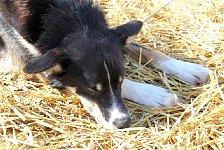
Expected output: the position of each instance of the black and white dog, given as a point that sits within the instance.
(69, 42)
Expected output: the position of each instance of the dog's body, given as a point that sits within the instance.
(69, 42)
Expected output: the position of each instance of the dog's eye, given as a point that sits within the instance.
(61, 74)
(92, 90)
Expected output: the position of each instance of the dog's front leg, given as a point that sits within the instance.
(188, 72)
(147, 94)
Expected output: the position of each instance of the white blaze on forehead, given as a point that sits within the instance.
(109, 82)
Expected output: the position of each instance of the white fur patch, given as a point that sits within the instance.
(115, 113)
(147, 94)
(109, 83)
(30, 48)
(188, 72)
(99, 87)
(120, 79)
(17, 50)
(94, 110)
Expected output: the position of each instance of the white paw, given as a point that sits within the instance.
(147, 94)
(188, 72)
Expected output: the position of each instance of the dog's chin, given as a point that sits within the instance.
(105, 124)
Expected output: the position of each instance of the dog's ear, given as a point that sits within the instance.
(128, 29)
(46, 61)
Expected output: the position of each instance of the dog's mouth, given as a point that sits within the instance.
(117, 118)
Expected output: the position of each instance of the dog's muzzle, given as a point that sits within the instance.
(122, 122)
(115, 117)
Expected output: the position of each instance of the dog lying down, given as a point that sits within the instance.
(69, 42)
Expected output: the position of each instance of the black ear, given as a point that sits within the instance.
(45, 61)
(128, 29)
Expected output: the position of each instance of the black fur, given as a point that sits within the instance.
(2, 44)
(73, 34)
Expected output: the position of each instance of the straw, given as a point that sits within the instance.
(33, 115)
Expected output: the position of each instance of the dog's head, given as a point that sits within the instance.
(91, 63)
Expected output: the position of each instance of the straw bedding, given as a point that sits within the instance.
(35, 116)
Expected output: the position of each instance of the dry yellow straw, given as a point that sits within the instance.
(33, 115)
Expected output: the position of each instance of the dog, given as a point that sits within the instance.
(70, 43)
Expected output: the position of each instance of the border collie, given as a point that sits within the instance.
(70, 43)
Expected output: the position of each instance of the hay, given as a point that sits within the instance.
(34, 115)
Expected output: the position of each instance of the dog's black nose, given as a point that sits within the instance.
(122, 122)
